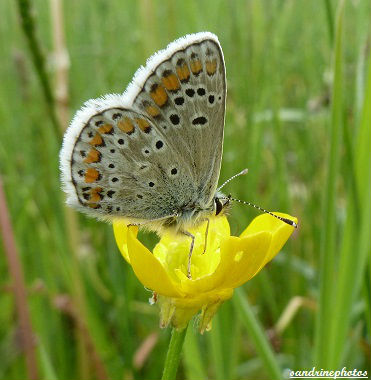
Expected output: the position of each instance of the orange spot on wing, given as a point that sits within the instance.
(159, 95)
(91, 175)
(97, 140)
(126, 125)
(171, 82)
(105, 128)
(196, 66)
(143, 124)
(93, 156)
(93, 205)
(152, 111)
(183, 73)
(95, 194)
(211, 67)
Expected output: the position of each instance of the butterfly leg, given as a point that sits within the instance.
(134, 224)
(190, 253)
(206, 233)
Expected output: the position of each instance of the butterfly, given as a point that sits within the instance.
(152, 155)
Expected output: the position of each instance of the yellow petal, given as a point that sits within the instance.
(120, 231)
(281, 231)
(241, 259)
(148, 269)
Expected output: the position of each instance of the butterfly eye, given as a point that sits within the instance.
(218, 206)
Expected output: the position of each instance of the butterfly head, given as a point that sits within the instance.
(192, 214)
(221, 203)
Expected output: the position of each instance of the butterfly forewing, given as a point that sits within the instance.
(147, 153)
(185, 97)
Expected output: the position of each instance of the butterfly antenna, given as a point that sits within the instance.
(243, 172)
(287, 221)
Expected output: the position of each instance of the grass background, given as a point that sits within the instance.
(298, 116)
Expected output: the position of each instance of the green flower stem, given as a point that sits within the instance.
(257, 334)
(173, 354)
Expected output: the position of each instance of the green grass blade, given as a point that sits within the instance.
(330, 20)
(46, 364)
(328, 238)
(215, 345)
(193, 363)
(257, 335)
(356, 243)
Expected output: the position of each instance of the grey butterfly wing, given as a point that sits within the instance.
(119, 165)
(146, 153)
(185, 96)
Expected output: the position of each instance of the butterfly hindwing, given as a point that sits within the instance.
(121, 166)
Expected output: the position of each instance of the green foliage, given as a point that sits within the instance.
(298, 116)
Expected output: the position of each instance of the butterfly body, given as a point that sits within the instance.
(191, 215)
(152, 155)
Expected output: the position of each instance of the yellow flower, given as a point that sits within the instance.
(228, 262)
